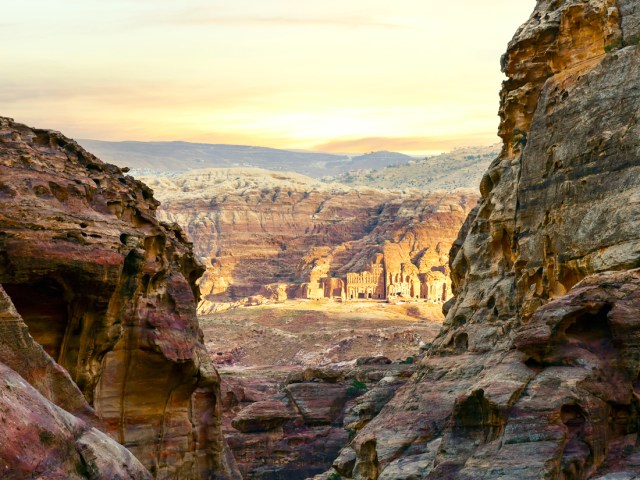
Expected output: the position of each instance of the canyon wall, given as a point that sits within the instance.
(283, 235)
(535, 374)
(109, 294)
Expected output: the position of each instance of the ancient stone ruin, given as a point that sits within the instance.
(385, 279)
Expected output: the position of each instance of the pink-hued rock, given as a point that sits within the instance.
(292, 424)
(47, 428)
(263, 416)
(109, 293)
(319, 403)
(268, 236)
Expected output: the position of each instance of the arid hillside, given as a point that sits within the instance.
(285, 235)
(458, 169)
(175, 157)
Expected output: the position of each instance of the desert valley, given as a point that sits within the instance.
(314, 292)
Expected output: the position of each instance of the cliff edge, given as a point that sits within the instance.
(535, 374)
(107, 294)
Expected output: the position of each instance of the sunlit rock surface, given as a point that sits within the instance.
(269, 236)
(535, 374)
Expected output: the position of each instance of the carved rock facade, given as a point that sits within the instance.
(264, 235)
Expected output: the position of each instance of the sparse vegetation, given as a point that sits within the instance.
(519, 138)
(356, 388)
(459, 169)
(633, 39)
(279, 334)
(615, 45)
(46, 438)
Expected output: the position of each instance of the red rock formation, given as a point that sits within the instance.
(48, 429)
(411, 241)
(293, 426)
(255, 228)
(109, 294)
(535, 374)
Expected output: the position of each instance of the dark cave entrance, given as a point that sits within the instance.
(43, 307)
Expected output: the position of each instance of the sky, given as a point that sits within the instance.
(415, 76)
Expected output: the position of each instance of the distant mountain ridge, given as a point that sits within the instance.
(177, 156)
(459, 169)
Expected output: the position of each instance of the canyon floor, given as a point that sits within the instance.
(317, 333)
(300, 377)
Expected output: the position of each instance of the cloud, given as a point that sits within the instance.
(405, 144)
(204, 16)
(133, 95)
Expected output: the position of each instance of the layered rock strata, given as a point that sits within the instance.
(109, 294)
(282, 235)
(292, 425)
(535, 374)
(48, 429)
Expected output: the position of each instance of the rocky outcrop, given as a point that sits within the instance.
(109, 294)
(293, 425)
(48, 429)
(535, 372)
(266, 235)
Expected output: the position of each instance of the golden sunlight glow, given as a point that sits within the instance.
(416, 76)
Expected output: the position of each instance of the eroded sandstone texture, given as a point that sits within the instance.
(108, 292)
(281, 235)
(293, 426)
(535, 374)
(47, 427)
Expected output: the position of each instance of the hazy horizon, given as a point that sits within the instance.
(417, 77)
(352, 153)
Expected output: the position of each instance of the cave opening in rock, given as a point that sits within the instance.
(461, 343)
(592, 330)
(534, 364)
(43, 307)
(622, 419)
(476, 419)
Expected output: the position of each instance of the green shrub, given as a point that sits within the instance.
(46, 438)
(356, 388)
(615, 45)
(633, 39)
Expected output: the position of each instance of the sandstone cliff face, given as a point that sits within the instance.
(108, 292)
(292, 426)
(535, 374)
(48, 429)
(266, 233)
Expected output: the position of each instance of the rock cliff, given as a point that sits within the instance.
(279, 234)
(535, 374)
(109, 295)
(292, 426)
